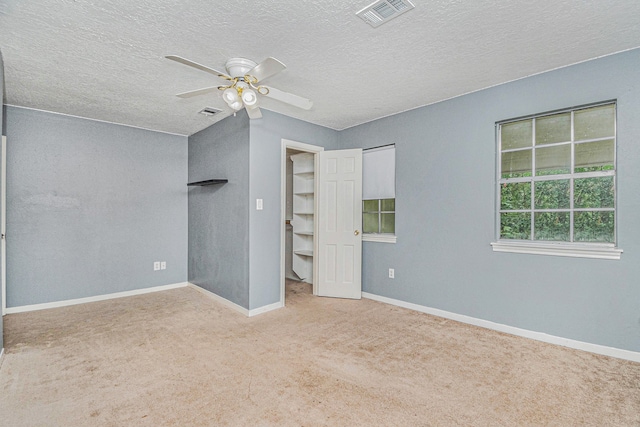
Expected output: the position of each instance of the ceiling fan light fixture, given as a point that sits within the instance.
(243, 83)
(236, 105)
(230, 95)
(249, 97)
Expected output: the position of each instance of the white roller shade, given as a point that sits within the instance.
(379, 173)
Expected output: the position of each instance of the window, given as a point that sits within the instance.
(556, 183)
(378, 194)
(379, 216)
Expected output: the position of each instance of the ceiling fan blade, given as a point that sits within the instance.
(289, 98)
(198, 66)
(266, 69)
(197, 92)
(254, 112)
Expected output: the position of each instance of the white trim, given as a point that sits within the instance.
(380, 238)
(265, 308)
(301, 146)
(315, 149)
(538, 336)
(3, 225)
(234, 306)
(95, 120)
(574, 250)
(1, 356)
(221, 300)
(56, 304)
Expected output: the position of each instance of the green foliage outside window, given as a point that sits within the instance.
(557, 177)
(378, 216)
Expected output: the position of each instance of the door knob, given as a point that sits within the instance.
(356, 232)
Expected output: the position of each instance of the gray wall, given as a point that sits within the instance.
(265, 172)
(445, 212)
(91, 206)
(219, 214)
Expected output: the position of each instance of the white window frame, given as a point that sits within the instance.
(568, 249)
(379, 237)
(388, 193)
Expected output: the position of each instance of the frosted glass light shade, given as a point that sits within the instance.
(230, 96)
(249, 97)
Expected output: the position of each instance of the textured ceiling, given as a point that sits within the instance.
(105, 59)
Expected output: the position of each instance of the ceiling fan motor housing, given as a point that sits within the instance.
(238, 67)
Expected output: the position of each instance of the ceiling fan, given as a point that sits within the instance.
(244, 77)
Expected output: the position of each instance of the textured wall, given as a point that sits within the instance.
(234, 250)
(219, 214)
(91, 206)
(445, 219)
(265, 161)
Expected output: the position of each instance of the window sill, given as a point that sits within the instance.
(575, 250)
(380, 238)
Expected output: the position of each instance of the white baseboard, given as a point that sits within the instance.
(236, 307)
(265, 308)
(539, 336)
(43, 306)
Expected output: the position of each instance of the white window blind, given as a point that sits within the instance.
(379, 173)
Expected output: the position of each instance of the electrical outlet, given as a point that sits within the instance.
(392, 273)
(259, 204)
(163, 265)
(156, 266)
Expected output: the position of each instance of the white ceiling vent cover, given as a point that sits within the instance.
(379, 12)
(209, 111)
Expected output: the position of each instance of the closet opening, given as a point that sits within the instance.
(298, 269)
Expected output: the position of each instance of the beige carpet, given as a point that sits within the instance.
(179, 358)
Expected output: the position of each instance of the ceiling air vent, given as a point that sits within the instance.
(379, 12)
(209, 111)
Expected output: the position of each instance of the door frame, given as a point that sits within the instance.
(3, 224)
(315, 149)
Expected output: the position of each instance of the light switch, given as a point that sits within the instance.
(259, 204)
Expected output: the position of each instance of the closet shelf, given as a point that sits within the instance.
(304, 253)
(209, 182)
(304, 174)
(303, 201)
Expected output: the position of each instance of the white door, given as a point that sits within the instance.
(340, 224)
